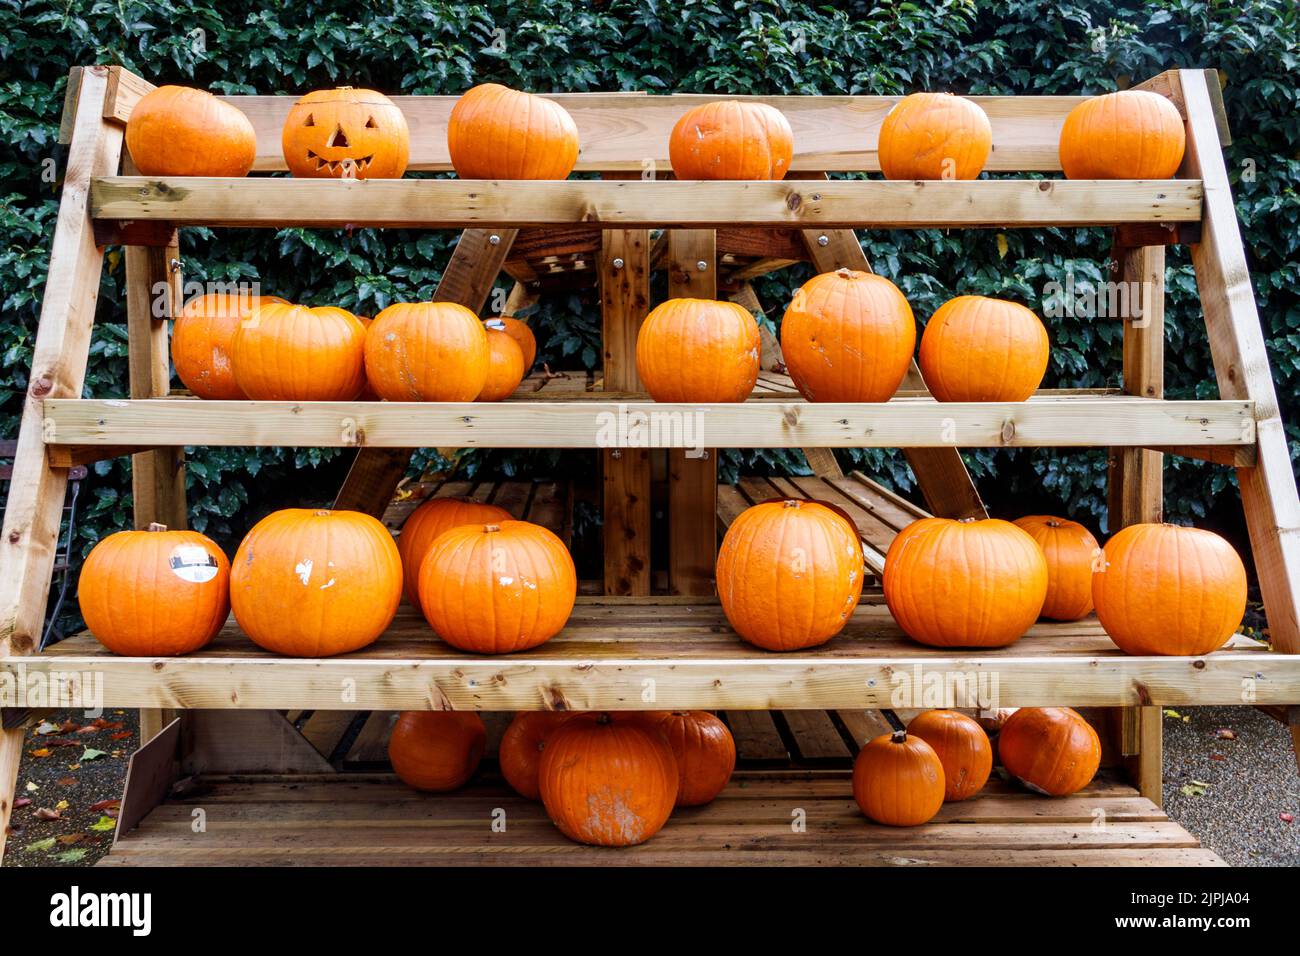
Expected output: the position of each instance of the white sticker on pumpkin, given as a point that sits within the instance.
(303, 570)
(193, 563)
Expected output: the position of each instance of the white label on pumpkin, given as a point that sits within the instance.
(303, 570)
(193, 563)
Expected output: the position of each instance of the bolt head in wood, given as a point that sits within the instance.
(702, 265)
(823, 240)
(618, 263)
(494, 240)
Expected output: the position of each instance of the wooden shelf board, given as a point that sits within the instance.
(612, 646)
(455, 204)
(594, 422)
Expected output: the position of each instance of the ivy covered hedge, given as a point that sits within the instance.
(993, 47)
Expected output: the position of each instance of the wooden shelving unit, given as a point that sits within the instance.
(716, 237)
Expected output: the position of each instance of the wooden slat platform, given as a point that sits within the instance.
(373, 819)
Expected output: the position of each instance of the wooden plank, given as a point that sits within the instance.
(125, 90)
(757, 738)
(325, 729)
(864, 725)
(150, 773)
(637, 204)
(815, 735)
(248, 741)
(371, 745)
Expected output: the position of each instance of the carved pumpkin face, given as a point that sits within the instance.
(346, 134)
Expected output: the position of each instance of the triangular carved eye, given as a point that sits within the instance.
(371, 124)
(311, 120)
(339, 139)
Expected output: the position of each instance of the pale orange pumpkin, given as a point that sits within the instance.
(180, 131)
(1166, 589)
(495, 132)
(1051, 750)
(346, 134)
(848, 337)
(898, 780)
(284, 352)
(203, 339)
(1072, 555)
(436, 750)
(154, 593)
(520, 752)
(1132, 134)
(431, 519)
(427, 352)
(964, 583)
(505, 364)
(976, 349)
(730, 139)
(698, 350)
(934, 136)
(704, 750)
(962, 747)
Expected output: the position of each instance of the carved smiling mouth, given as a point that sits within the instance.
(336, 167)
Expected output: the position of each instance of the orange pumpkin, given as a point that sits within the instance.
(729, 139)
(520, 753)
(203, 339)
(345, 134)
(789, 574)
(964, 583)
(180, 131)
(1051, 750)
(431, 519)
(497, 588)
(704, 750)
(427, 352)
(1072, 555)
(848, 337)
(505, 364)
(154, 593)
(495, 132)
(934, 136)
(291, 353)
(521, 333)
(898, 780)
(315, 583)
(962, 747)
(436, 750)
(977, 349)
(1132, 134)
(698, 350)
(1165, 589)
(607, 782)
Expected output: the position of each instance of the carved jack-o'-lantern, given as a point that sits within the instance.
(346, 134)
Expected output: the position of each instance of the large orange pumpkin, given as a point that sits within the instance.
(1050, 749)
(1072, 555)
(608, 782)
(520, 752)
(704, 750)
(505, 364)
(203, 339)
(962, 747)
(291, 353)
(427, 352)
(731, 140)
(180, 131)
(977, 349)
(698, 350)
(521, 333)
(1165, 589)
(436, 750)
(497, 588)
(848, 337)
(1132, 134)
(154, 593)
(789, 574)
(315, 583)
(935, 136)
(346, 134)
(495, 132)
(964, 583)
(431, 519)
(898, 780)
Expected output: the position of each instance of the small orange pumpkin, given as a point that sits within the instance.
(964, 583)
(704, 750)
(935, 136)
(436, 750)
(505, 364)
(315, 583)
(1132, 134)
(962, 747)
(608, 782)
(977, 349)
(427, 352)
(497, 588)
(898, 780)
(180, 131)
(521, 333)
(1051, 750)
(431, 519)
(291, 353)
(495, 132)
(520, 753)
(698, 350)
(1072, 555)
(1166, 589)
(345, 134)
(154, 593)
(203, 339)
(729, 139)
(848, 337)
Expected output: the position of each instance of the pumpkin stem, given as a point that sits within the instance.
(604, 719)
(792, 503)
(1052, 523)
(322, 513)
(155, 526)
(491, 528)
(898, 737)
